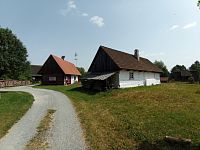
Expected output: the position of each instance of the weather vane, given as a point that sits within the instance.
(75, 58)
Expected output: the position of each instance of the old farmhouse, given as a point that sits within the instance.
(115, 69)
(57, 71)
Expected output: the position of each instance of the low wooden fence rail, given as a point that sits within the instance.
(11, 83)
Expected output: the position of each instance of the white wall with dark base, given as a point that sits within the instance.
(138, 79)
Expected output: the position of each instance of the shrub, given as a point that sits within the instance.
(191, 80)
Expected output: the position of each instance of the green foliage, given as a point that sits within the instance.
(196, 67)
(178, 68)
(191, 80)
(160, 64)
(13, 58)
(81, 70)
(175, 70)
(198, 4)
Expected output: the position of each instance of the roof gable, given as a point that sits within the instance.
(102, 63)
(35, 69)
(63, 65)
(128, 61)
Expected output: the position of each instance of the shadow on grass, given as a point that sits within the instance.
(85, 91)
(3, 91)
(162, 145)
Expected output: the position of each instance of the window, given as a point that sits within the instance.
(52, 78)
(74, 78)
(131, 76)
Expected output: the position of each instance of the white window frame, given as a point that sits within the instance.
(131, 76)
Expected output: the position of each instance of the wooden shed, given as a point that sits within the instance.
(57, 71)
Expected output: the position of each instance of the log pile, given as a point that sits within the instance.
(11, 83)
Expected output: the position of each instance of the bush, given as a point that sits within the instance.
(191, 80)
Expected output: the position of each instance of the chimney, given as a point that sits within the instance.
(136, 54)
(63, 57)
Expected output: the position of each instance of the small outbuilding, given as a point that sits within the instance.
(57, 71)
(116, 69)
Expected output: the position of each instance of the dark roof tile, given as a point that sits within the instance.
(128, 61)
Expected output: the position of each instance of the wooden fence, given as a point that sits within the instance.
(11, 83)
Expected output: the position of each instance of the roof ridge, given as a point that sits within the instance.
(120, 51)
(63, 59)
(126, 60)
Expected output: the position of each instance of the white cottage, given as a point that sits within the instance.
(115, 69)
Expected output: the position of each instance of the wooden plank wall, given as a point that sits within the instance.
(11, 83)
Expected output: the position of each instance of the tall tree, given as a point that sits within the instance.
(198, 3)
(196, 67)
(13, 58)
(160, 64)
(178, 68)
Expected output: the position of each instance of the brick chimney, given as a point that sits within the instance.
(136, 54)
(63, 57)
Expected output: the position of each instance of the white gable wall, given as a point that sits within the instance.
(140, 79)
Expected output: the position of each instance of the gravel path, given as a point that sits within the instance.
(66, 132)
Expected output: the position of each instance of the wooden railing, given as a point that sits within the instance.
(11, 83)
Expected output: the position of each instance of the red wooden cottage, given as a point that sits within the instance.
(57, 71)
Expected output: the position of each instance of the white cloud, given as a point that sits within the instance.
(190, 25)
(84, 14)
(71, 4)
(174, 27)
(99, 21)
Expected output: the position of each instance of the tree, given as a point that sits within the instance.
(160, 64)
(13, 58)
(178, 68)
(196, 67)
(81, 70)
(198, 3)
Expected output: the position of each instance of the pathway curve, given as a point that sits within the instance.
(66, 132)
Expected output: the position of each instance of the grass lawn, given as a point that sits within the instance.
(13, 105)
(138, 118)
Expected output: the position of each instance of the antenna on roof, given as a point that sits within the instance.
(75, 58)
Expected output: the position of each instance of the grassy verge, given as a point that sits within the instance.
(40, 140)
(13, 105)
(138, 118)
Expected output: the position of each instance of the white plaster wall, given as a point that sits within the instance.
(140, 79)
(72, 79)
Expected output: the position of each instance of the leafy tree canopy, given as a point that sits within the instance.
(13, 58)
(196, 67)
(178, 68)
(81, 70)
(160, 64)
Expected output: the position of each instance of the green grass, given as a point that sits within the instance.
(13, 105)
(138, 118)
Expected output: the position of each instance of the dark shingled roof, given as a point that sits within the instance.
(128, 61)
(35, 69)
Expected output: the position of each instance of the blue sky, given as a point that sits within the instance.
(161, 30)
